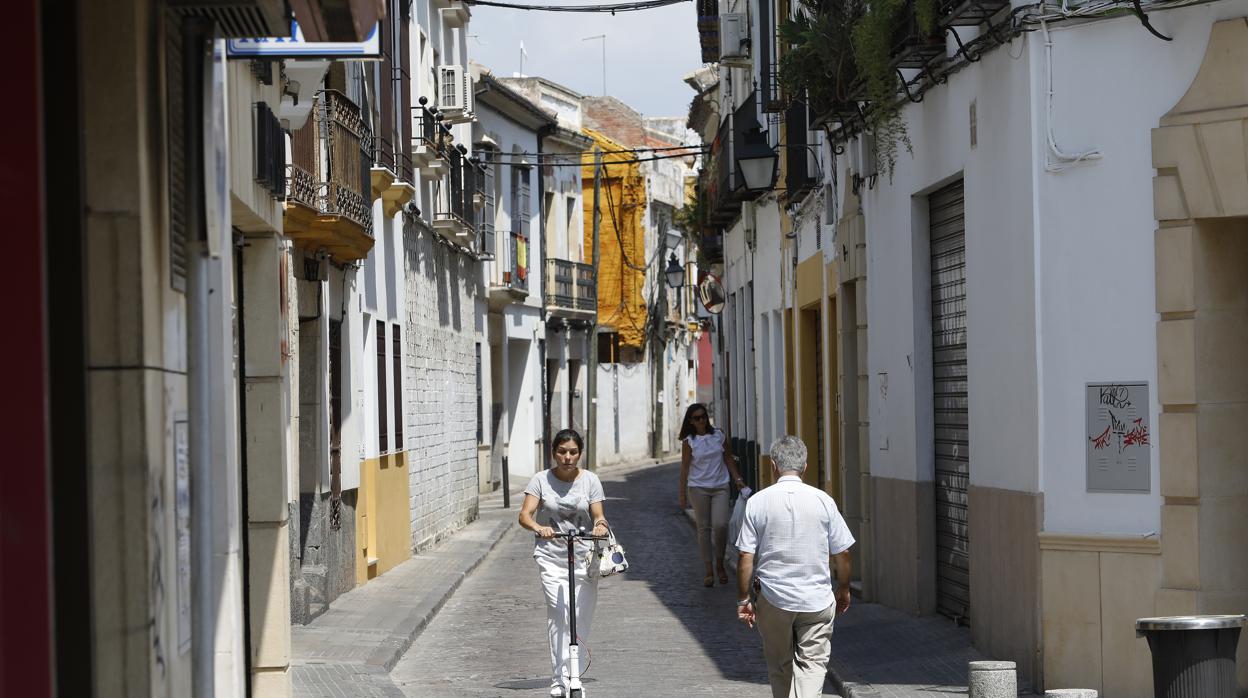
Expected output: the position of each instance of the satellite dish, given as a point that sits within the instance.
(711, 293)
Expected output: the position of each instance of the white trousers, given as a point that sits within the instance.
(554, 575)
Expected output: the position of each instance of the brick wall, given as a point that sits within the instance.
(439, 385)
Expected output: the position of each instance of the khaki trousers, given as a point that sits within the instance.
(796, 646)
(710, 512)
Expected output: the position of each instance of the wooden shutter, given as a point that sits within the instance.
(396, 361)
(176, 151)
(383, 415)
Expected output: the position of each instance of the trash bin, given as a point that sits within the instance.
(1193, 656)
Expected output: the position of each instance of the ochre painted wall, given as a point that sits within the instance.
(622, 240)
(382, 527)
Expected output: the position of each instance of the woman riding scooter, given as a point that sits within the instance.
(564, 499)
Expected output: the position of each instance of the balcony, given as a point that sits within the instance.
(429, 136)
(912, 47)
(511, 281)
(571, 289)
(328, 184)
(456, 212)
(455, 13)
(391, 177)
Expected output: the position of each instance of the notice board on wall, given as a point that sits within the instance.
(1118, 437)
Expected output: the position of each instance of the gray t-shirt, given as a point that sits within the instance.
(564, 506)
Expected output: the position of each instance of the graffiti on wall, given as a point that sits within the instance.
(1118, 445)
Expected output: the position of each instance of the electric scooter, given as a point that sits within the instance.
(575, 690)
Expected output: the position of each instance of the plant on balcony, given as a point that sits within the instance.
(689, 218)
(820, 58)
(841, 52)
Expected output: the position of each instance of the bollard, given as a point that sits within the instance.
(1072, 693)
(988, 679)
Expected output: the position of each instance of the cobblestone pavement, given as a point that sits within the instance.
(657, 630)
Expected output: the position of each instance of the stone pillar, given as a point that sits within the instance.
(266, 448)
(992, 679)
(1200, 200)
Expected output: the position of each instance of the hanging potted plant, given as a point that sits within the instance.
(917, 40)
(886, 32)
(819, 61)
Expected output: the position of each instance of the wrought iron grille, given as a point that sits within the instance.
(560, 289)
(586, 288)
(348, 146)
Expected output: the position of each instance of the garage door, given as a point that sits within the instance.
(948, 240)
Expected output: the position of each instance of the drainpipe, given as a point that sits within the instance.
(542, 134)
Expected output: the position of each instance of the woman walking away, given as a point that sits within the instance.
(564, 499)
(706, 466)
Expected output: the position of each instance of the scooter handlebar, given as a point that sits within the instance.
(579, 535)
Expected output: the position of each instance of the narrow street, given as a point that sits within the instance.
(658, 631)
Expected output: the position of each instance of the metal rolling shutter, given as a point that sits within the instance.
(948, 243)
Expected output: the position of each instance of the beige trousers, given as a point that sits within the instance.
(796, 646)
(710, 511)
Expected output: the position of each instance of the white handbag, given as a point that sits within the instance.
(610, 556)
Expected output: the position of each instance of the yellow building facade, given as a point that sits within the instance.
(622, 239)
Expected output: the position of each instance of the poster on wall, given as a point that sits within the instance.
(1118, 437)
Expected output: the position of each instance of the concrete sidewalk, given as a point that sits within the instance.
(351, 648)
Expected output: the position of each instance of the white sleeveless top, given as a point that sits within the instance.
(707, 469)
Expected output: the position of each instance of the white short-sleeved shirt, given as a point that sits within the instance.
(792, 529)
(707, 468)
(564, 506)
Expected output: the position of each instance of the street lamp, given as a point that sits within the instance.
(756, 162)
(675, 273)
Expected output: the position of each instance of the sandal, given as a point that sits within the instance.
(708, 580)
(723, 577)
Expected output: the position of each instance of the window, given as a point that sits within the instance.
(396, 359)
(480, 406)
(608, 347)
(525, 206)
(574, 235)
(488, 213)
(383, 443)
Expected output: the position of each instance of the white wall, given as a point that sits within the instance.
(624, 389)
(999, 268)
(1060, 277)
(1097, 307)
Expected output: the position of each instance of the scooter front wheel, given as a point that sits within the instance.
(576, 693)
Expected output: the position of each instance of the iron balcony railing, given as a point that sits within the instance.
(330, 161)
(586, 288)
(454, 202)
(570, 286)
(560, 284)
(426, 126)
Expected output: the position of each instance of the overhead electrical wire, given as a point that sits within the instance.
(610, 8)
(580, 164)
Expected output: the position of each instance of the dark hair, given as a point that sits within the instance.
(564, 436)
(686, 427)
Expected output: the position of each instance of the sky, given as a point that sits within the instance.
(648, 52)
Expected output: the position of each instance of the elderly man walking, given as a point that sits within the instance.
(791, 534)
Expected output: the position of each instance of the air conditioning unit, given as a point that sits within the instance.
(451, 90)
(734, 40)
(463, 113)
